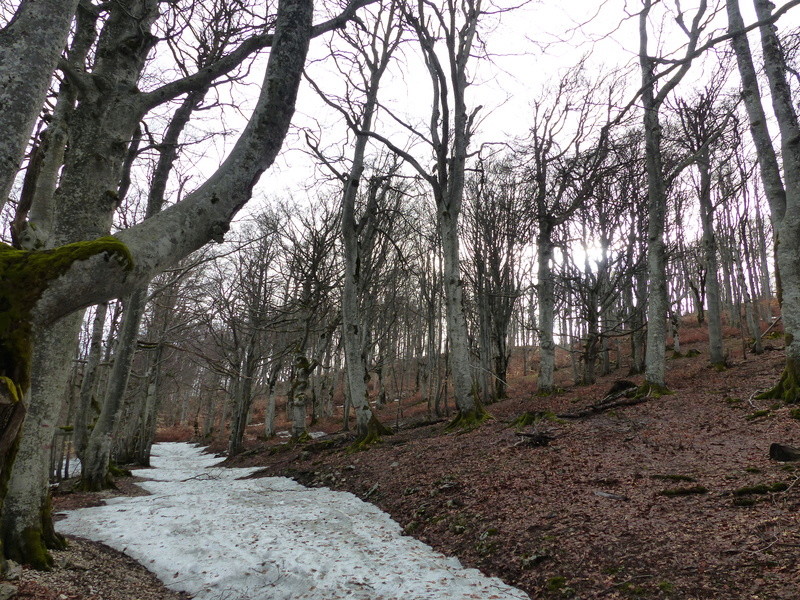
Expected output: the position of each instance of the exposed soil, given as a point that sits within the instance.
(644, 501)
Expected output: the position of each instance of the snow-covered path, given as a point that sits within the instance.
(207, 532)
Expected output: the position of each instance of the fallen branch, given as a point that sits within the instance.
(775, 322)
(622, 393)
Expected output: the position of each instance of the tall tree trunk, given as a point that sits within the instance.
(657, 301)
(27, 525)
(716, 355)
(89, 384)
(784, 202)
(469, 407)
(546, 297)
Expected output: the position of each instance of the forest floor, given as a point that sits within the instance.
(675, 497)
(672, 498)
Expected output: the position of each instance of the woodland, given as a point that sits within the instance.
(618, 282)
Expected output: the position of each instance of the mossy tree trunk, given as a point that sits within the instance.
(86, 196)
(26, 521)
(783, 195)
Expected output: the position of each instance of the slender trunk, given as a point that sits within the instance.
(716, 355)
(763, 261)
(461, 372)
(546, 298)
(657, 301)
(146, 429)
(89, 383)
(269, 413)
(94, 475)
(243, 396)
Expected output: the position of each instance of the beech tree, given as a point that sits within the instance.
(782, 191)
(446, 33)
(703, 124)
(561, 176)
(63, 280)
(369, 51)
(498, 223)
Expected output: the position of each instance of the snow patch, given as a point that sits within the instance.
(207, 532)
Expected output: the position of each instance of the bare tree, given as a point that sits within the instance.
(783, 194)
(79, 275)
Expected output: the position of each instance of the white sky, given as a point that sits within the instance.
(530, 48)
(208, 533)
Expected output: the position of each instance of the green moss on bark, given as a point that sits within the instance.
(652, 390)
(29, 549)
(375, 431)
(24, 276)
(788, 386)
(468, 420)
(51, 538)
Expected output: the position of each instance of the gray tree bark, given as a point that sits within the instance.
(154, 245)
(35, 37)
(658, 302)
(784, 201)
(80, 435)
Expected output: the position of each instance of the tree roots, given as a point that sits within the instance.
(651, 390)
(788, 386)
(375, 430)
(469, 420)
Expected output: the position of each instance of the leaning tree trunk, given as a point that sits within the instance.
(30, 46)
(101, 128)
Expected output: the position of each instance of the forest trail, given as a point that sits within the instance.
(206, 531)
